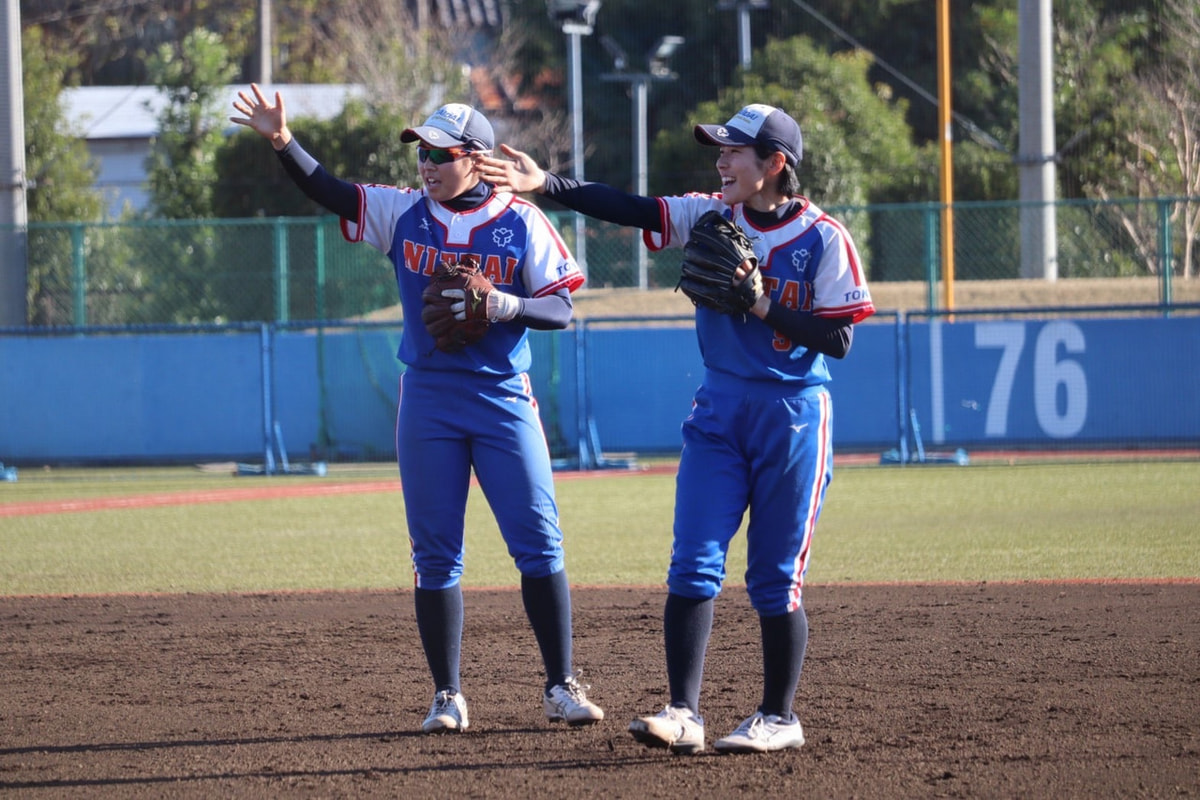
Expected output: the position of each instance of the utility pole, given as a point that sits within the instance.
(576, 18)
(13, 208)
(639, 84)
(1036, 158)
(743, 7)
(264, 42)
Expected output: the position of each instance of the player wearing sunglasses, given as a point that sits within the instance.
(440, 155)
(470, 409)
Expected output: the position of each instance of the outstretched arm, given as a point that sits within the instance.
(270, 122)
(520, 173)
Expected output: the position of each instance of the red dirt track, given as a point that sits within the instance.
(259, 492)
(982, 690)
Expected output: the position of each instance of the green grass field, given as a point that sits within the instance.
(989, 522)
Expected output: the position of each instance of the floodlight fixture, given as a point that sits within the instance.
(575, 16)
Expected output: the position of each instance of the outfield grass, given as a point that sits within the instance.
(930, 523)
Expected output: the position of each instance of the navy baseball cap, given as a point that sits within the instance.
(757, 124)
(453, 125)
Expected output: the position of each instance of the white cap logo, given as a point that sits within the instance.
(751, 118)
(451, 118)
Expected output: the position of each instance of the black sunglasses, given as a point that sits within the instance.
(440, 156)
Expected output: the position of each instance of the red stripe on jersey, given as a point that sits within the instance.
(570, 284)
(362, 214)
(857, 313)
(814, 503)
(664, 223)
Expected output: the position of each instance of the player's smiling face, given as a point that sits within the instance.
(745, 178)
(446, 181)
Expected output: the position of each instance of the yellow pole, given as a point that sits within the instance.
(947, 134)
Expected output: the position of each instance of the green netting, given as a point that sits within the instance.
(301, 268)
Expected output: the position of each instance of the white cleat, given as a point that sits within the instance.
(678, 729)
(762, 733)
(567, 702)
(448, 714)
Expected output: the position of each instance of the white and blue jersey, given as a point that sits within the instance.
(517, 247)
(808, 263)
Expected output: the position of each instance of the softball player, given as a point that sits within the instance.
(470, 409)
(758, 437)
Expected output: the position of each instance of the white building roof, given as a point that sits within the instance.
(131, 112)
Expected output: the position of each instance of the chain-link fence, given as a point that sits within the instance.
(296, 269)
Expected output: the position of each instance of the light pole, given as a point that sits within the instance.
(639, 82)
(576, 17)
(14, 211)
(744, 7)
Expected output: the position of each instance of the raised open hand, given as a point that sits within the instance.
(518, 173)
(267, 120)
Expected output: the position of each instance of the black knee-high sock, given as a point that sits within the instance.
(687, 624)
(548, 606)
(784, 640)
(440, 623)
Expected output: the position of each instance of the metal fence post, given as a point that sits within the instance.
(281, 271)
(79, 275)
(902, 399)
(266, 336)
(319, 244)
(581, 396)
(931, 255)
(1165, 262)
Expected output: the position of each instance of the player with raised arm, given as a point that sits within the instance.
(759, 434)
(465, 395)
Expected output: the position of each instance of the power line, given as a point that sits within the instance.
(85, 11)
(976, 132)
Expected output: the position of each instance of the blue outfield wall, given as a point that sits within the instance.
(130, 397)
(1056, 383)
(603, 386)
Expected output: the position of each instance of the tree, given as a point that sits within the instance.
(1132, 153)
(56, 159)
(1169, 151)
(62, 177)
(404, 64)
(1181, 91)
(182, 164)
(114, 40)
(181, 262)
(1096, 59)
(857, 147)
(531, 119)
